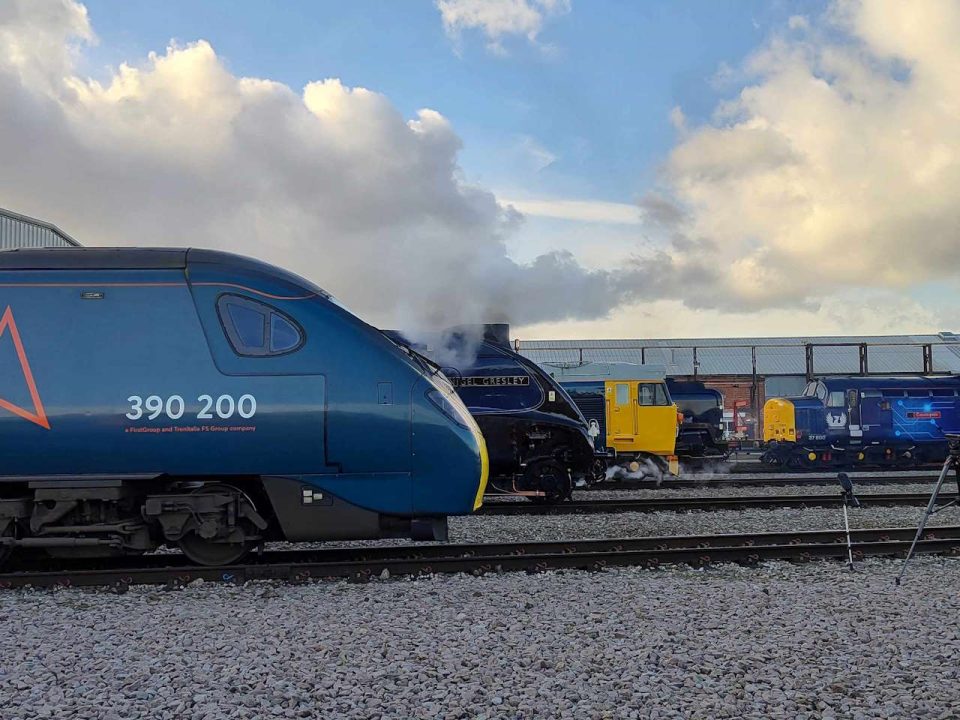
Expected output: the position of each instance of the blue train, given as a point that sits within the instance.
(540, 445)
(212, 402)
(875, 421)
(700, 436)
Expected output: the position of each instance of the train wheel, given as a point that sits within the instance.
(551, 478)
(6, 550)
(599, 470)
(208, 551)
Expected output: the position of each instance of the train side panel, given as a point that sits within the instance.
(118, 365)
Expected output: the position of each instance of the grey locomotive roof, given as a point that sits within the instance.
(774, 356)
(77, 258)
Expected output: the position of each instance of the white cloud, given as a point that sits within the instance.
(536, 155)
(334, 183)
(848, 312)
(833, 176)
(798, 22)
(593, 211)
(836, 166)
(498, 19)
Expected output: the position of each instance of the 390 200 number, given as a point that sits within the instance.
(153, 406)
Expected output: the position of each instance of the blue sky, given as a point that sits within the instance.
(721, 167)
(598, 100)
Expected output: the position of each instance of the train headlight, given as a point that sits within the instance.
(454, 411)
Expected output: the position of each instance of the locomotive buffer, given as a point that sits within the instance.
(952, 462)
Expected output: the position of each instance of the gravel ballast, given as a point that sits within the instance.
(949, 490)
(779, 641)
(520, 528)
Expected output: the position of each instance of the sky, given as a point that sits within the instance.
(579, 169)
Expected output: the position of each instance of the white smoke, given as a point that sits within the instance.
(642, 469)
(175, 150)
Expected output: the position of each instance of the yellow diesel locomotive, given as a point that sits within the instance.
(629, 407)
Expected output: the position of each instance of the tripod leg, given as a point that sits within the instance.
(947, 464)
(846, 524)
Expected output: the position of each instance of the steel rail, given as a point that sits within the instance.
(366, 563)
(758, 467)
(680, 504)
(782, 480)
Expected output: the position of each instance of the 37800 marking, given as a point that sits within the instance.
(153, 406)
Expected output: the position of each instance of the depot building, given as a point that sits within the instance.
(750, 370)
(20, 231)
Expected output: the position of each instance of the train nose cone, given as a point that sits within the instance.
(450, 462)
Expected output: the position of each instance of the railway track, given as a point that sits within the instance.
(759, 480)
(680, 504)
(405, 560)
(757, 467)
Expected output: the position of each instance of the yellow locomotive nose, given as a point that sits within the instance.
(779, 421)
(484, 470)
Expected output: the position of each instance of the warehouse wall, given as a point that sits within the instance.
(19, 231)
(785, 386)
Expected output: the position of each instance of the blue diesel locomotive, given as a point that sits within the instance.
(700, 437)
(540, 445)
(873, 421)
(209, 401)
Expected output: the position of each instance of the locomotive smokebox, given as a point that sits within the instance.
(497, 333)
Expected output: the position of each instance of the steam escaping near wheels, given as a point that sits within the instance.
(642, 469)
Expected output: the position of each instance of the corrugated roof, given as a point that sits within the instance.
(20, 231)
(774, 356)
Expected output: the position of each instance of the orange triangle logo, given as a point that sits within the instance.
(38, 416)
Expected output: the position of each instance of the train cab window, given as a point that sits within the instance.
(661, 396)
(942, 392)
(623, 394)
(820, 391)
(836, 399)
(256, 329)
(248, 325)
(652, 394)
(284, 335)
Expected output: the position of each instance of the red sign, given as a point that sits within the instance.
(38, 416)
(926, 415)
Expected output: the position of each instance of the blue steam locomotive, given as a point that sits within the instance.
(208, 401)
(539, 442)
(874, 421)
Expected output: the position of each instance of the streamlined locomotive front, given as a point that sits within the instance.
(212, 402)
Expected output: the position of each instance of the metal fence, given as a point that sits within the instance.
(808, 359)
